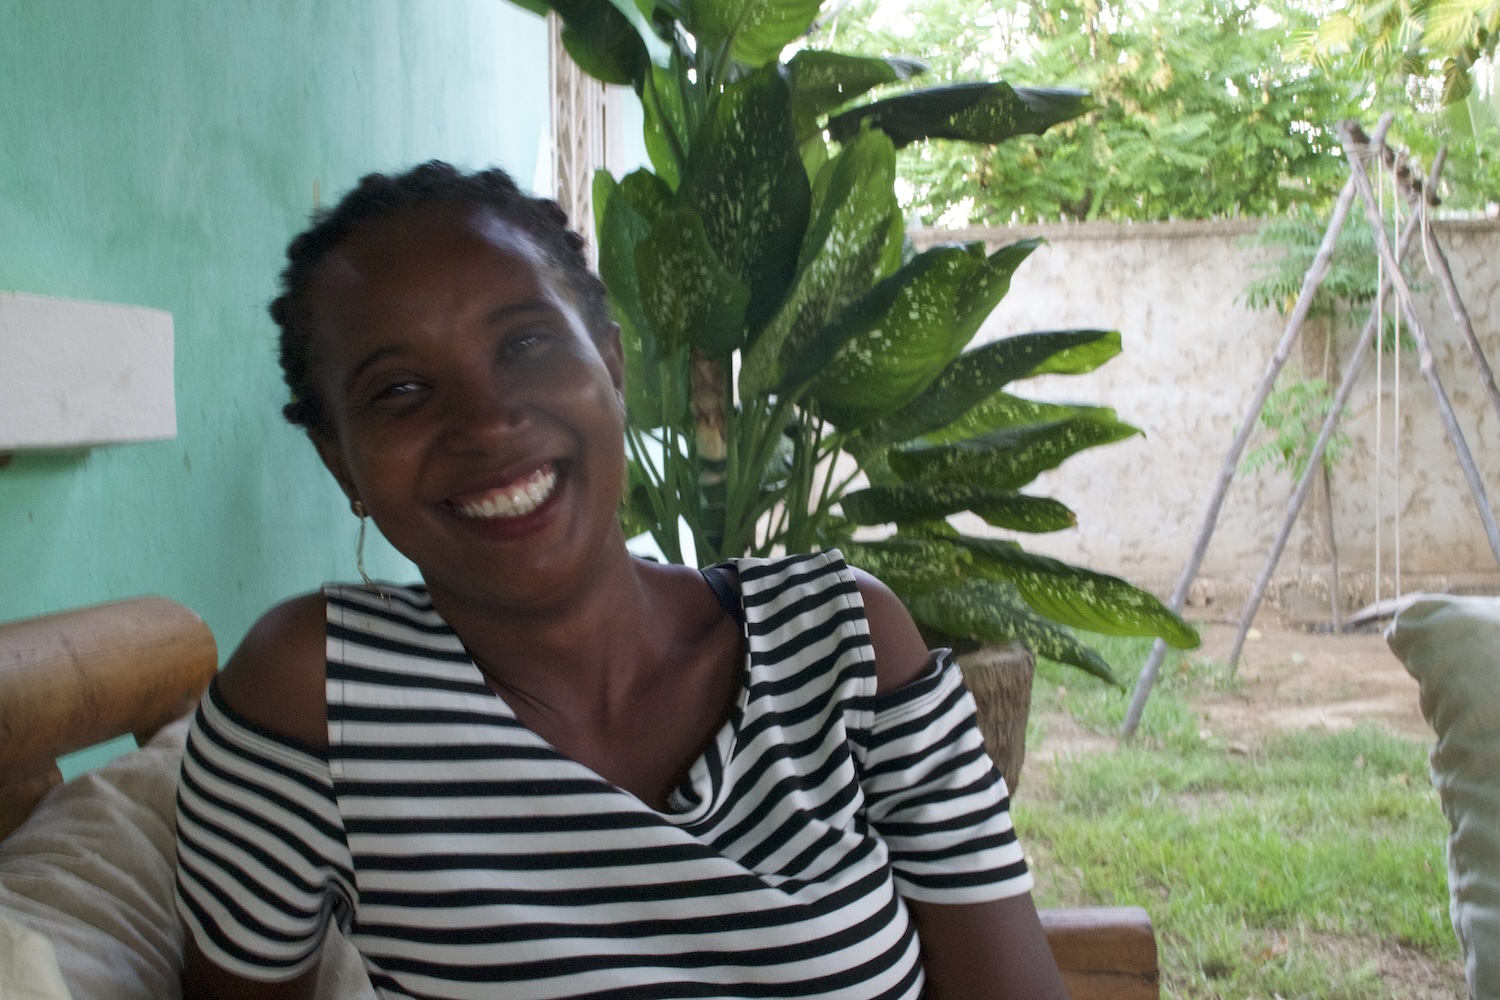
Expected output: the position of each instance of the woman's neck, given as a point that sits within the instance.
(592, 645)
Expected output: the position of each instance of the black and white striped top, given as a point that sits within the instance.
(459, 850)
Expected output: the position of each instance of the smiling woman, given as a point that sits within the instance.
(550, 765)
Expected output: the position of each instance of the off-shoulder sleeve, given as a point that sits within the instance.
(262, 861)
(935, 797)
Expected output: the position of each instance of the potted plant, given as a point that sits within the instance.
(797, 376)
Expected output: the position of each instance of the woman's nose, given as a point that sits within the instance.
(481, 412)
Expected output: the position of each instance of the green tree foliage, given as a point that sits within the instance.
(1413, 40)
(794, 371)
(1440, 57)
(1293, 416)
(1199, 112)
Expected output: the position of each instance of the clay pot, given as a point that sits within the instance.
(1000, 678)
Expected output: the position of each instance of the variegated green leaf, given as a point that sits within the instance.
(986, 286)
(908, 565)
(604, 41)
(1079, 597)
(886, 347)
(903, 348)
(823, 81)
(855, 217)
(975, 375)
(991, 611)
(657, 50)
(745, 180)
(705, 305)
(975, 112)
(1006, 459)
(916, 502)
(935, 528)
(1003, 410)
(625, 212)
(664, 121)
(755, 31)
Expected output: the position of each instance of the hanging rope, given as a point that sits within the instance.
(1397, 427)
(1379, 370)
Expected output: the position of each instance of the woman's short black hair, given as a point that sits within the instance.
(379, 195)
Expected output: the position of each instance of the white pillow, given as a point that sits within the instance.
(1451, 645)
(92, 871)
(28, 968)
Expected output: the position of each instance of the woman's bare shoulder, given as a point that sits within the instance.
(276, 678)
(900, 654)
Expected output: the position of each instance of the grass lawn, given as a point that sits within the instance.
(1302, 865)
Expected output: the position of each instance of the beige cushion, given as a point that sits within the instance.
(28, 966)
(92, 871)
(1451, 645)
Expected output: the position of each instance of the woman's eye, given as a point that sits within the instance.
(397, 391)
(524, 343)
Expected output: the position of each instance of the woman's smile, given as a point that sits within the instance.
(510, 501)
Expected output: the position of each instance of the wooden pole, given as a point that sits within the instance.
(1437, 263)
(1424, 354)
(1310, 282)
(1325, 433)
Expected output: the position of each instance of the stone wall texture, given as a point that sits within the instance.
(1194, 354)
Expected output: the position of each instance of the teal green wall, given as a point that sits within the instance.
(161, 153)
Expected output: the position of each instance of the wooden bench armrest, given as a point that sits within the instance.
(77, 678)
(1105, 952)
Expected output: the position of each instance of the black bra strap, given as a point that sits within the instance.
(724, 582)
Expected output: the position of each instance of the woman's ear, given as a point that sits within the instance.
(613, 352)
(333, 460)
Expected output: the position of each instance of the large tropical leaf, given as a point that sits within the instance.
(755, 31)
(976, 112)
(855, 218)
(605, 42)
(704, 306)
(1007, 459)
(664, 120)
(745, 180)
(920, 502)
(909, 565)
(894, 351)
(1078, 597)
(822, 81)
(993, 611)
(884, 349)
(625, 212)
(1003, 410)
(976, 375)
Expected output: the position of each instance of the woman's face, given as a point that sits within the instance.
(475, 417)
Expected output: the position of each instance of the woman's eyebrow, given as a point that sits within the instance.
(379, 354)
(531, 305)
(494, 316)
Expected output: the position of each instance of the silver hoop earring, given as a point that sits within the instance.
(358, 508)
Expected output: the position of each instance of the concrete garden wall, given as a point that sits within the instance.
(1193, 357)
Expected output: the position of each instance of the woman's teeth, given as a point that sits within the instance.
(514, 500)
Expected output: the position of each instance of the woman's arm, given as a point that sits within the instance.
(975, 951)
(986, 951)
(274, 679)
(203, 980)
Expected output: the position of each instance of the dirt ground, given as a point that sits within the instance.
(1290, 678)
